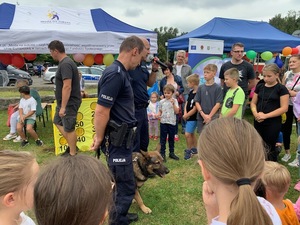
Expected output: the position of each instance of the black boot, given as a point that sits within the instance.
(173, 156)
(132, 217)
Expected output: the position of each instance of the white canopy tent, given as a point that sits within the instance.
(26, 29)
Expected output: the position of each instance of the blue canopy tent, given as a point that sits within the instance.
(27, 29)
(257, 36)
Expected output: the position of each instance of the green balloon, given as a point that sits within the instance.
(251, 54)
(267, 55)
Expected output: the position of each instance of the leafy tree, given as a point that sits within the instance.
(163, 35)
(287, 24)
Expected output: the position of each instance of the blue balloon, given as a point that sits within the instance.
(278, 61)
(270, 61)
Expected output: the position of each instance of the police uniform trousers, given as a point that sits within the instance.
(125, 184)
(142, 133)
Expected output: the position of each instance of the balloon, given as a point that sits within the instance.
(278, 61)
(98, 59)
(108, 59)
(286, 51)
(295, 51)
(267, 55)
(17, 60)
(79, 57)
(298, 47)
(88, 60)
(270, 61)
(5, 58)
(251, 54)
(30, 57)
(116, 56)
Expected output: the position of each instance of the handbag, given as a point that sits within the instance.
(180, 99)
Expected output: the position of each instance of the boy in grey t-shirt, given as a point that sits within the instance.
(209, 98)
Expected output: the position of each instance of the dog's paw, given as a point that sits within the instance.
(146, 210)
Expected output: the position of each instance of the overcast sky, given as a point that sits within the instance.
(185, 15)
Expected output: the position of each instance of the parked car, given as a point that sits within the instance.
(89, 74)
(14, 74)
(49, 74)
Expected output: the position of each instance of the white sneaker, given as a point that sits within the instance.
(9, 137)
(17, 139)
(295, 163)
(286, 157)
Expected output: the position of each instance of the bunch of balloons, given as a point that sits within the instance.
(17, 60)
(290, 51)
(90, 59)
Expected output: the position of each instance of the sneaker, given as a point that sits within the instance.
(39, 142)
(155, 138)
(67, 152)
(173, 156)
(187, 154)
(24, 143)
(150, 137)
(18, 139)
(194, 151)
(286, 157)
(295, 163)
(9, 137)
(176, 138)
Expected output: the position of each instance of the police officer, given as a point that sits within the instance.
(140, 80)
(115, 106)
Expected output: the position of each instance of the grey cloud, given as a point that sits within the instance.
(133, 12)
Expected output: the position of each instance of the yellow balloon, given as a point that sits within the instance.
(88, 60)
(108, 59)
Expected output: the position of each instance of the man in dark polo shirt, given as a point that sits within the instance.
(141, 78)
(115, 124)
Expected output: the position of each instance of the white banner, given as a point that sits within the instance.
(205, 46)
(47, 18)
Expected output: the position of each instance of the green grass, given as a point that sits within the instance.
(175, 199)
(12, 92)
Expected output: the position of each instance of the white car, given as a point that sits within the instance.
(89, 74)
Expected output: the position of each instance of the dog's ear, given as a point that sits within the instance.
(146, 155)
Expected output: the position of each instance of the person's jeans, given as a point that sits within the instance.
(167, 130)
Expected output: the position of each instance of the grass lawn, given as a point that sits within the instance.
(175, 199)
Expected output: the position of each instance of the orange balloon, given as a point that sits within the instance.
(88, 60)
(286, 51)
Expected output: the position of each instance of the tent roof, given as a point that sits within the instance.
(257, 36)
(27, 29)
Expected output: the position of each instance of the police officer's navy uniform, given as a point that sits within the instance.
(115, 92)
(140, 77)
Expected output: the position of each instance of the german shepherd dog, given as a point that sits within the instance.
(145, 165)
